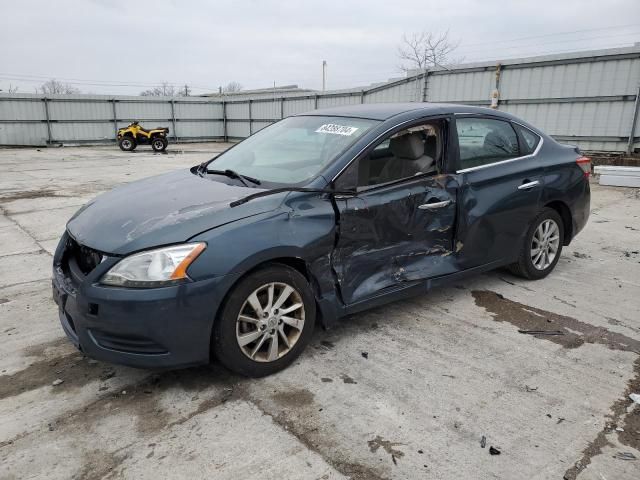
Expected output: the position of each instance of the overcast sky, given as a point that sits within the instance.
(210, 43)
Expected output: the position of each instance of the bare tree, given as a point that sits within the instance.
(232, 87)
(11, 89)
(423, 50)
(165, 89)
(53, 87)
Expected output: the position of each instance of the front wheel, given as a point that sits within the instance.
(542, 246)
(266, 322)
(159, 144)
(127, 144)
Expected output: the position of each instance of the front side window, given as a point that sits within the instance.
(414, 151)
(483, 141)
(293, 150)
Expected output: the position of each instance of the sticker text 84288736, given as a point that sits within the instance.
(336, 129)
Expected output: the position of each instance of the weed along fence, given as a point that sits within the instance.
(590, 99)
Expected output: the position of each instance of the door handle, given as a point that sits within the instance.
(434, 205)
(529, 185)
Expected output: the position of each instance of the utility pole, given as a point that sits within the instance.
(324, 75)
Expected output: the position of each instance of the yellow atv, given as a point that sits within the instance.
(133, 135)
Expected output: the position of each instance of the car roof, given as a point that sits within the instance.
(384, 111)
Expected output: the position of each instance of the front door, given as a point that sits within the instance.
(398, 229)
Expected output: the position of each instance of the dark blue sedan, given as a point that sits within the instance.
(315, 217)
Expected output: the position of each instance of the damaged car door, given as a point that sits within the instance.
(397, 230)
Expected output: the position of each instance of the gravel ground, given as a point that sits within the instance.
(442, 371)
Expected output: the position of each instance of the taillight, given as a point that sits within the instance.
(585, 164)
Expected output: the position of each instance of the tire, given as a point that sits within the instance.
(127, 144)
(159, 144)
(258, 337)
(530, 265)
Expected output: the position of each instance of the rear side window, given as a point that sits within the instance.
(484, 140)
(531, 140)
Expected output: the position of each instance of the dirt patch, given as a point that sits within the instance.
(73, 368)
(573, 333)
(294, 398)
(40, 350)
(347, 379)
(305, 424)
(386, 445)
(142, 399)
(11, 196)
(357, 471)
(98, 464)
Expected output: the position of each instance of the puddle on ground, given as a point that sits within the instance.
(574, 333)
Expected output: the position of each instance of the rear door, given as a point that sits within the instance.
(395, 231)
(501, 188)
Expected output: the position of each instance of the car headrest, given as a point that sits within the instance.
(409, 146)
(431, 146)
(494, 139)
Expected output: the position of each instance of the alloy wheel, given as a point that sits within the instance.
(545, 244)
(270, 322)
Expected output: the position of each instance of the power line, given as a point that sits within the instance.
(103, 83)
(553, 34)
(554, 42)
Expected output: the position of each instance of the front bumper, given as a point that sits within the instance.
(165, 327)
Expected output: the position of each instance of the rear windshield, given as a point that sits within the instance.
(294, 150)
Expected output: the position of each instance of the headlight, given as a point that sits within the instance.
(154, 268)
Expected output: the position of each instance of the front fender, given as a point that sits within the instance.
(304, 228)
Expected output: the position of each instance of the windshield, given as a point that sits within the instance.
(293, 150)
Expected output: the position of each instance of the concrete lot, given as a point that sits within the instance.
(443, 370)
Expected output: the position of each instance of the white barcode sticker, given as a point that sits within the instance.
(336, 129)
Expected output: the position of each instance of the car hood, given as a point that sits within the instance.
(161, 210)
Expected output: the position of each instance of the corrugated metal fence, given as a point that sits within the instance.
(588, 98)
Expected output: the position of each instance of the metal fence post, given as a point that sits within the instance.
(425, 86)
(115, 117)
(495, 95)
(46, 113)
(634, 122)
(362, 94)
(250, 118)
(173, 119)
(224, 121)
(315, 102)
(282, 108)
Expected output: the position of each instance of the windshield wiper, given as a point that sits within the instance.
(233, 174)
(266, 193)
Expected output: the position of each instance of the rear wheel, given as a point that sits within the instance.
(542, 246)
(159, 144)
(127, 144)
(266, 322)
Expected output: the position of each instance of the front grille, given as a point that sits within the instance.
(85, 258)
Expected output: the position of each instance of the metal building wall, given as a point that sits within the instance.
(28, 119)
(588, 98)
